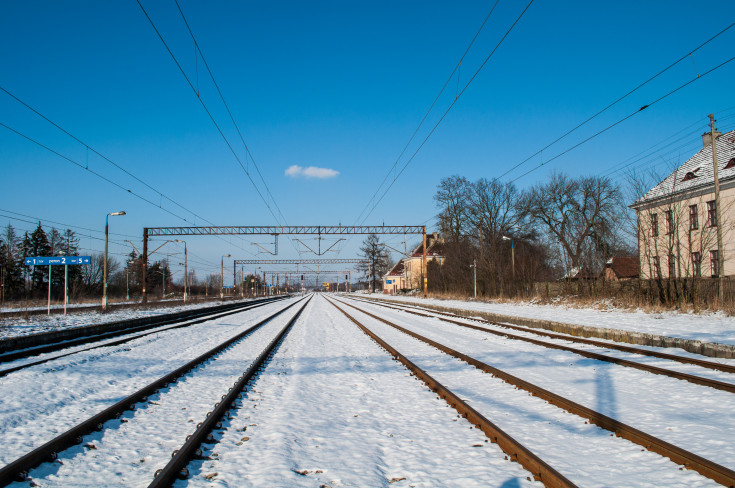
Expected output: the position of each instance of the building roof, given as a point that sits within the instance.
(624, 266)
(697, 172)
(435, 248)
(397, 270)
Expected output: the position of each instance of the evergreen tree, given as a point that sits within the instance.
(39, 246)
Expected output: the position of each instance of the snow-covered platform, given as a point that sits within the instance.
(709, 334)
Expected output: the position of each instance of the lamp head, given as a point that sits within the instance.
(121, 212)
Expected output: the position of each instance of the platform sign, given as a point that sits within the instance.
(57, 260)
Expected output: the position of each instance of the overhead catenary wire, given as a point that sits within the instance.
(618, 122)
(433, 129)
(206, 109)
(609, 106)
(431, 107)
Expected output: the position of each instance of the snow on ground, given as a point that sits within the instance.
(709, 327)
(16, 326)
(42, 401)
(693, 417)
(128, 452)
(332, 409)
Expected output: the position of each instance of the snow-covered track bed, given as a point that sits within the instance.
(650, 411)
(332, 409)
(685, 367)
(135, 432)
(23, 359)
(23, 347)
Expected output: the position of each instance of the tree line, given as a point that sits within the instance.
(564, 227)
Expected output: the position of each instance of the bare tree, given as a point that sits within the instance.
(578, 214)
(453, 197)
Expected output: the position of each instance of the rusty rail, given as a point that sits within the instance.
(703, 466)
(514, 449)
(698, 380)
(728, 368)
(18, 469)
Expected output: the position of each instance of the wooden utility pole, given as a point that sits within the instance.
(718, 212)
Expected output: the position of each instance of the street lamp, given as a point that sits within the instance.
(512, 253)
(104, 278)
(222, 277)
(186, 269)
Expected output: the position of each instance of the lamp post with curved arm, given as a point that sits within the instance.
(104, 277)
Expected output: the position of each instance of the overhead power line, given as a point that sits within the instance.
(405, 165)
(624, 119)
(232, 118)
(209, 113)
(585, 122)
(431, 107)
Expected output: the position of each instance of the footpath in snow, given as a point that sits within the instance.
(706, 327)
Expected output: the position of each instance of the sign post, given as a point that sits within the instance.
(56, 261)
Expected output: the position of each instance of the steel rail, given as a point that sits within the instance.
(187, 322)
(697, 380)
(120, 329)
(703, 466)
(18, 469)
(176, 467)
(514, 449)
(728, 368)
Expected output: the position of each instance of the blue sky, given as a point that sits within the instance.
(339, 86)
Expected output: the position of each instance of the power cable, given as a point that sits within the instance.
(426, 115)
(448, 109)
(624, 119)
(176, 61)
(619, 100)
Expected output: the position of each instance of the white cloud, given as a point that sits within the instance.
(295, 171)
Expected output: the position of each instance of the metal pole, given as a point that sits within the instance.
(144, 265)
(66, 292)
(186, 273)
(49, 290)
(104, 279)
(222, 279)
(127, 282)
(718, 211)
(513, 257)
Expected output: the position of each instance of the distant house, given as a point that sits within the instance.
(622, 268)
(578, 273)
(407, 273)
(677, 219)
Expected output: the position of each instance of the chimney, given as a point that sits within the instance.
(707, 138)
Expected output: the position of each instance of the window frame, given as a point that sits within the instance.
(693, 217)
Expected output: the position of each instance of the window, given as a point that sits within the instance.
(693, 217)
(657, 267)
(696, 264)
(669, 221)
(711, 214)
(672, 266)
(654, 225)
(714, 259)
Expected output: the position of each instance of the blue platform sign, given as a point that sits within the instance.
(57, 260)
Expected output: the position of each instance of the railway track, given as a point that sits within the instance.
(220, 360)
(541, 470)
(692, 378)
(104, 338)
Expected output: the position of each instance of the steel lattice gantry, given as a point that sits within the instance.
(277, 230)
